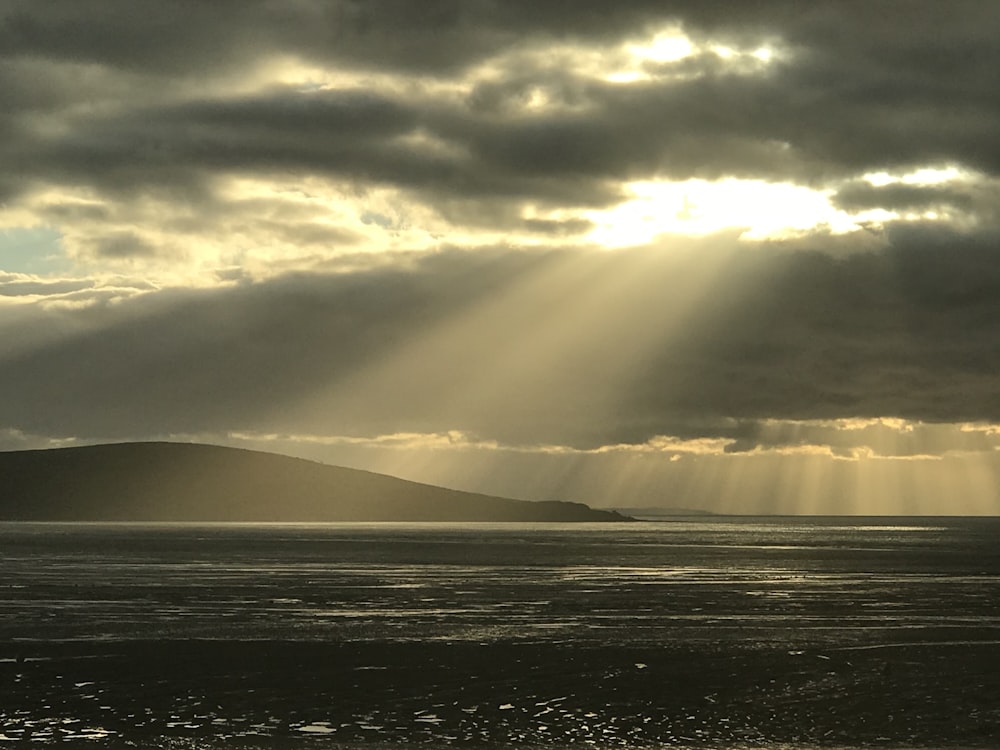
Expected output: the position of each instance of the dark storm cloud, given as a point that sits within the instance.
(431, 36)
(883, 438)
(909, 332)
(905, 332)
(343, 134)
(696, 129)
(890, 83)
(856, 86)
(859, 196)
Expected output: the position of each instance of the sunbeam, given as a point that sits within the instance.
(543, 357)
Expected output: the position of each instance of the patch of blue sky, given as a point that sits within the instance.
(34, 250)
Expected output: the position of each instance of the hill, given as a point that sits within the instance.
(192, 482)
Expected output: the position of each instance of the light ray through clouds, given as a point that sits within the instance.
(542, 360)
(720, 256)
(810, 467)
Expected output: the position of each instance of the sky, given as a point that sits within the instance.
(730, 256)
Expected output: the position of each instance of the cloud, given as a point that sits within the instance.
(15, 440)
(578, 348)
(861, 196)
(842, 439)
(21, 285)
(192, 360)
(475, 114)
(439, 36)
(691, 473)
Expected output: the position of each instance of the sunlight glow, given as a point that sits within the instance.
(854, 466)
(764, 210)
(923, 176)
(654, 58)
(849, 439)
(667, 46)
(307, 77)
(462, 372)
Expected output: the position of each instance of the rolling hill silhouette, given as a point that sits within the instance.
(192, 482)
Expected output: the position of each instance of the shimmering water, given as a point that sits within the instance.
(721, 632)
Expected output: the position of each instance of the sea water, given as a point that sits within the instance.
(695, 632)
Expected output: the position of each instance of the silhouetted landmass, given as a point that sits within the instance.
(655, 512)
(190, 482)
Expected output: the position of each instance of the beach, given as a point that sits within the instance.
(179, 651)
(258, 694)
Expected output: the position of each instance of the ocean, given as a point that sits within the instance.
(707, 632)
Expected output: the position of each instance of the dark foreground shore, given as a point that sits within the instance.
(263, 694)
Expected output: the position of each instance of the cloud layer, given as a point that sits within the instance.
(139, 134)
(573, 347)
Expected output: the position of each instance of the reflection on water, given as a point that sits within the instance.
(734, 632)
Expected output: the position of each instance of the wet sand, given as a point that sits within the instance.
(717, 634)
(706, 694)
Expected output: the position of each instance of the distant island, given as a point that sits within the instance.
(185, 482)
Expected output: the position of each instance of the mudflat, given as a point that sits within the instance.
(707, 634)
(258, 694)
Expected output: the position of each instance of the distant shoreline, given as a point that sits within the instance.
(190, 482)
